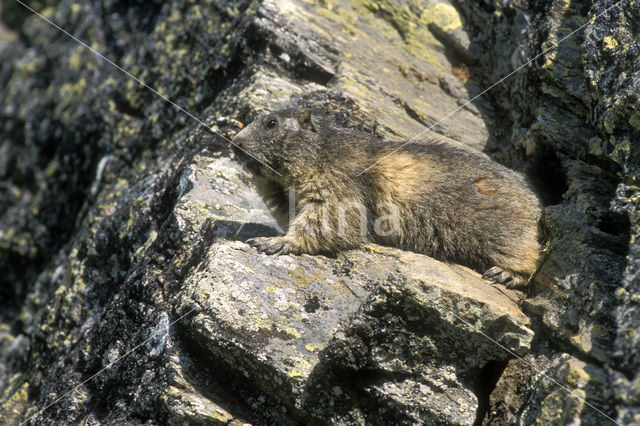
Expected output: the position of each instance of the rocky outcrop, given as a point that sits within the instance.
(129, 295)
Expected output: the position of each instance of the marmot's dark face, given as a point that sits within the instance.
(281, 140)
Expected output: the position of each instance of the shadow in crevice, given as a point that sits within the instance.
(241, 231)
(211, 231)
(222, 384)
(485, 384)
(547, 175)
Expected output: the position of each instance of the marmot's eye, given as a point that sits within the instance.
(271, 124)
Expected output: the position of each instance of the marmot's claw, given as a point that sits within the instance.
(498, 275)
(270, 245)
(515, 283)
(491, 271)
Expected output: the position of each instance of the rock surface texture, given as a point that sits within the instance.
(128, 295)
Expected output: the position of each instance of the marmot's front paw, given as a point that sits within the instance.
(501, 276)
(271, 245)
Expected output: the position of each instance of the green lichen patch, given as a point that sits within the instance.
(14, 401)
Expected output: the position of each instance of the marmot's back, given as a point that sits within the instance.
(432, 198)
(459, 206)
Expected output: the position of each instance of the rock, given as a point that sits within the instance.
(128, 294)
(289, 325)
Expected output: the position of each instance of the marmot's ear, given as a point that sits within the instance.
(304, 117)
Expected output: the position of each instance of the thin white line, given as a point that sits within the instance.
(571, 392)
(101, 56)
(556, 44)
(100, 371)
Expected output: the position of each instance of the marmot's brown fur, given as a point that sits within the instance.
(429, 197)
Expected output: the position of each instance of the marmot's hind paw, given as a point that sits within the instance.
(499, 275)
(270, 245)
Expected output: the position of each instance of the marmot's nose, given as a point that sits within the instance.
(239, 139)
(237, 142)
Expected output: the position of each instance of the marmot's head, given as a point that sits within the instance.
(284, 140)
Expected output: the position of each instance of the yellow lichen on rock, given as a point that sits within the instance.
(445, 15)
